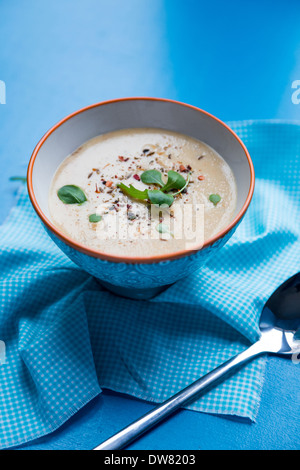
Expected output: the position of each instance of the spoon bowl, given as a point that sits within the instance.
(282, 310)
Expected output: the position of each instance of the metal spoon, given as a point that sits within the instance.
(278, 324)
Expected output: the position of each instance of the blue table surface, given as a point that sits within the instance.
(234, 59)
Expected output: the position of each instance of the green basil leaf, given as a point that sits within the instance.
(175, 181)
(162, 228)
(214, 198)
(152, 177)
(158, 197)
(183, 187)
(133, 192)
(23, 179)
(95, 218)
(71, 194)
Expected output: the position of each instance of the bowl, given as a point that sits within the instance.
(139, 277)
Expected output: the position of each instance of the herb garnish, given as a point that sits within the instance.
(71, 194)
(162, 228)
(152, 177)
(94, 218)
(133, 192)
(18, 178)
(214, 198)
(157, 196)
(175, 181)
(185, 185)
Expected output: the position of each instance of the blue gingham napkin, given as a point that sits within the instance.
(63, 337)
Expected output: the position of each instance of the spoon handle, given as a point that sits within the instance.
(150, 419)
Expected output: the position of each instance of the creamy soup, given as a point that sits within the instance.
(142, 192)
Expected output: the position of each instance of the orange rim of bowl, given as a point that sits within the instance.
(129, 259)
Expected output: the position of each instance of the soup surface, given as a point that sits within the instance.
(142, 192)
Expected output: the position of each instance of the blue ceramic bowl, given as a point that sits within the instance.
(142, 277)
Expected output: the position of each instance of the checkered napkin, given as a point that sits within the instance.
(63, 337)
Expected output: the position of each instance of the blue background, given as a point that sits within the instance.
(237, 60)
